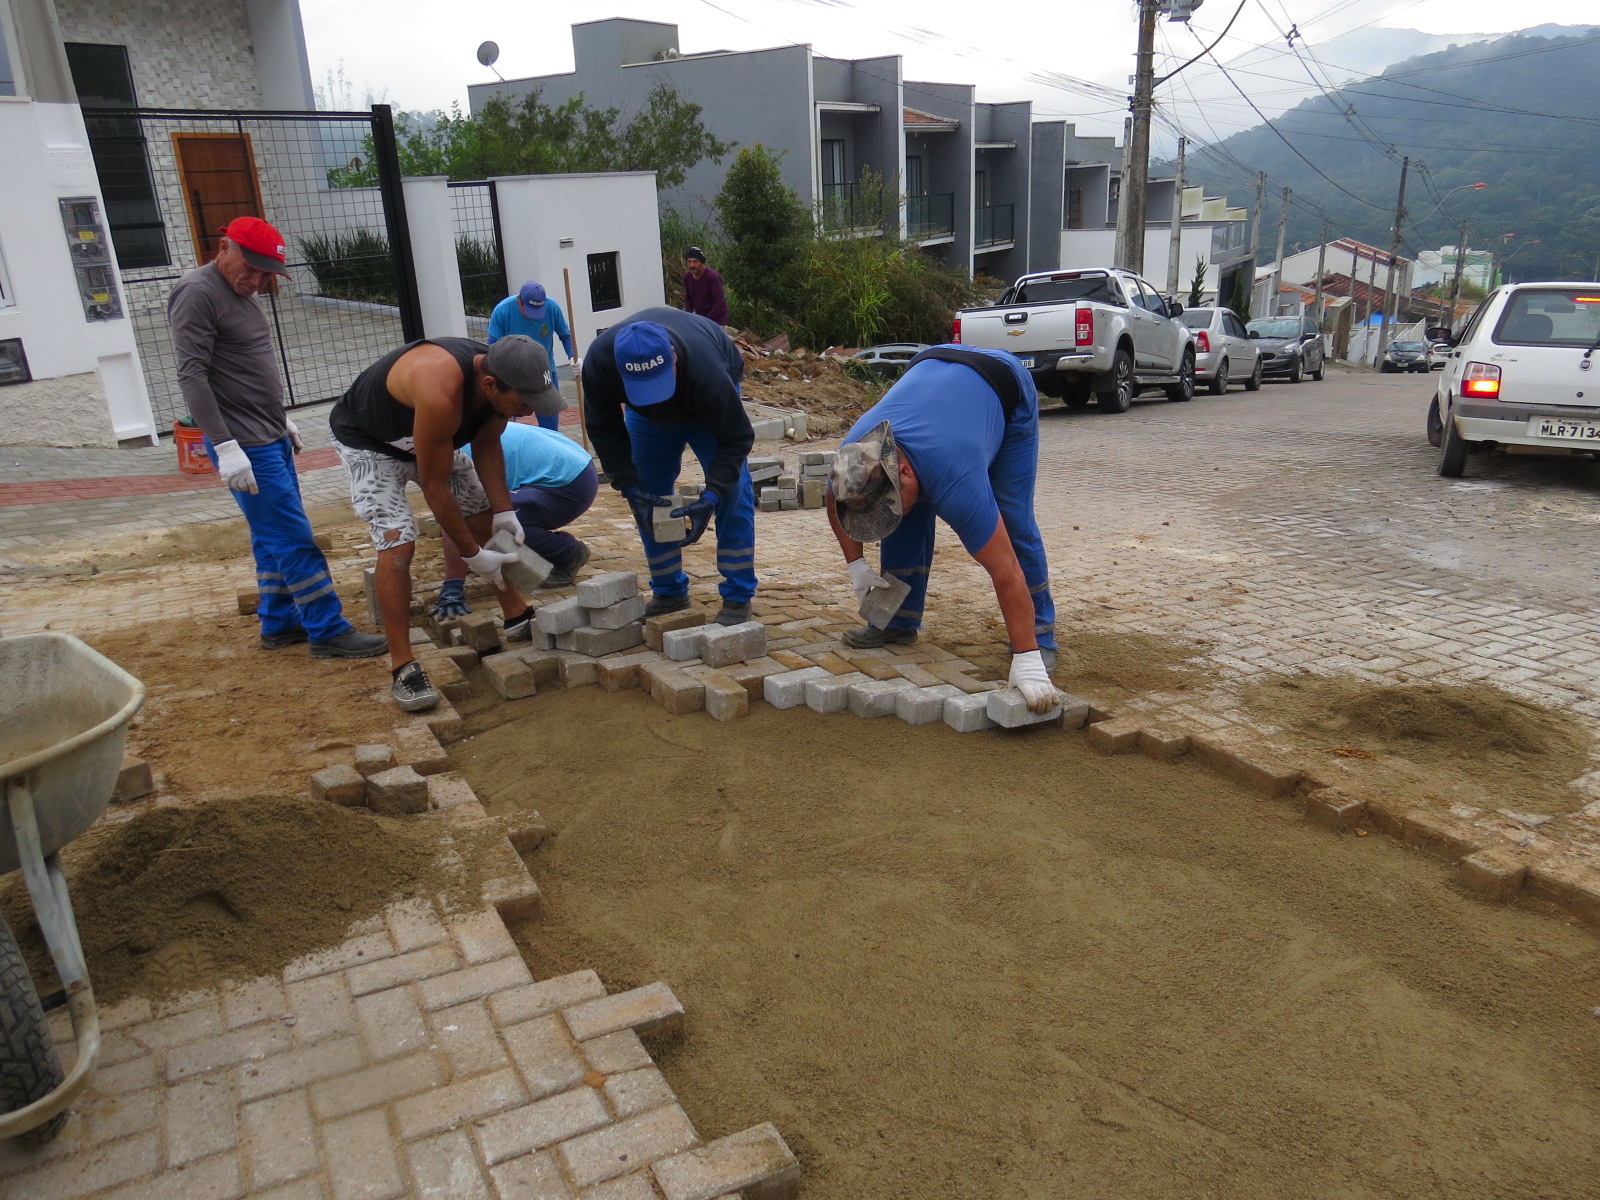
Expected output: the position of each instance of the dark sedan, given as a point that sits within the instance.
(1289, 346)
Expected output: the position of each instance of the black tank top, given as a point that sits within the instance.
(369, 418)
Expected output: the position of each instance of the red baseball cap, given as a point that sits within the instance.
(259, 242)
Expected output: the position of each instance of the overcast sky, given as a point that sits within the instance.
(421, 54)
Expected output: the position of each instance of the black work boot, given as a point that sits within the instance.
(870, 637)
(660, 606)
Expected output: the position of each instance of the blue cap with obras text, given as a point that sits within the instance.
(643, 353)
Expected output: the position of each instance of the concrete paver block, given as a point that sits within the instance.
(788, 689)
(465, 657)
(248, 601)
(540, 1124)
(724, 645)
(1497, 874)
(617, 1052)
(638, 1091)
(756, 1163)
(340, 784)
(607, 588)
(396, 792)
(1267, 778)
(1119, 736)
(813, 493)
(133, 779)
(649, 1011)
(725, 697)
(753, 674)
(445, 675)
(480, 633)
(615, 616)
(577, 670)
(675, 690)
(619, 672)
(529, 1177)
(1009, 710)
(510, 676)
(876, 697)
(833, 693)
(666, 528)
(545, 664)
(1440, 835)
(561, 617)
(418, 747)
(683, 644)
(1160, 743)
(882, 603)
(1334, 809)
(626, 1146)
(923, 705)
(546, 996)
(374, 757)
(656, 628)
(530, 569)
(598, 643)
(968, 712)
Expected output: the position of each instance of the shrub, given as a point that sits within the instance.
(355, 265)
(483, 281)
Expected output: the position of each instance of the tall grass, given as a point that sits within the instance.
(355, 265)
(483, 283)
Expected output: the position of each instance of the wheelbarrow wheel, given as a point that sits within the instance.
(29, 1066)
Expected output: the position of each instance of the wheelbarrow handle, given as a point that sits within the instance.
(47, 888)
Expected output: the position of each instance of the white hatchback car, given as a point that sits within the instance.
(1525, 371)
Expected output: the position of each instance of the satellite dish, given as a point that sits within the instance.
(488, 53)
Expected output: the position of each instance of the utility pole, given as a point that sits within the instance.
(1455, 284)
(1173, 249)
(1136, 153)
(1394, 252)
(1277, 266)
(1119, 253)
(1322, 258)
(1255, 235)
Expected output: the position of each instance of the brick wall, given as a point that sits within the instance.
(184, 53)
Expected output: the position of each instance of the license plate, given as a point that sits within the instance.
(1554, 427)
(1026, 360)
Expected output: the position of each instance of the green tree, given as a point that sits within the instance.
(1240, 300)
(534, 138)
(766, 229)
(1197, 286)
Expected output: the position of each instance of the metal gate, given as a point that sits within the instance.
(330, 183)
(475, 214)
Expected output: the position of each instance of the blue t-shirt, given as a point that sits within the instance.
(507, 318)
(948, 422)
(538, 457)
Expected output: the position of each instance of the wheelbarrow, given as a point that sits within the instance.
(64, 713)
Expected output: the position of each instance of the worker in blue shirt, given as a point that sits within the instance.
(658, 382)
(957, 437)
(553, 482)
(532, 312)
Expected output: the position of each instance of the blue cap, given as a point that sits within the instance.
(531, 300)
(643, 352)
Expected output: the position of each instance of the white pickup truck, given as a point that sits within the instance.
(1101, 333)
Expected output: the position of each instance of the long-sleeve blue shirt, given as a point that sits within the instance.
(507, 318)
(709, 372)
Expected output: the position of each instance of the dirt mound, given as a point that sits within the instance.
(181, 898)
(815, 384)
(1523, 751)
(1131, 662)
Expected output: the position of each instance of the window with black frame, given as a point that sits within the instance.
(104, 79)
(605, 281)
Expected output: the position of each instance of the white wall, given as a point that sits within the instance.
(96, 396)
(1097, 248)
(599, 213)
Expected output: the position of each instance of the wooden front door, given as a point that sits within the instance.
(218, 175)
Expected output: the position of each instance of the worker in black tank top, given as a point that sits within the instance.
(403, 421)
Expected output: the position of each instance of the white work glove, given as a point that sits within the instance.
(486, 564)
(506, 522)
(294, 437)
(575, 362)
(1030, 678)
(233, 464)
(863, 579)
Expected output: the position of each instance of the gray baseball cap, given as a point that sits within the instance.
(521, 364)
(866, 485)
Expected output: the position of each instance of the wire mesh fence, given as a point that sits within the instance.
(475, 212)
(173, 178)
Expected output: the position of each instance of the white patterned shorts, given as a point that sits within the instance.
(378, 492)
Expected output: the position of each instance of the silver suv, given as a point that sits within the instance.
(1525, 371)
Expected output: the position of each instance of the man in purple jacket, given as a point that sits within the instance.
(702, 287)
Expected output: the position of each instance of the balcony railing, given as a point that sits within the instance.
(996, 224)
(930, 216)
(842, 206)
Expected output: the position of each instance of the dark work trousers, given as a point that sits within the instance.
(544, 510)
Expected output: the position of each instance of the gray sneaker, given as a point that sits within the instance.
(351, 644)
(411, 689)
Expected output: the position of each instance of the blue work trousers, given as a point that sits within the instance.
(907, 553)
(542, 511)
(291, 573)
(658, 457)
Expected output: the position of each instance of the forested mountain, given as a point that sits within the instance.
(1521, 114)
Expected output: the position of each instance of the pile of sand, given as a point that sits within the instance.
(182, 898)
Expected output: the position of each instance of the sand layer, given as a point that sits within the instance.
(998, 965)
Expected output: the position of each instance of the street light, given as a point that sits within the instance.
(1464, 187)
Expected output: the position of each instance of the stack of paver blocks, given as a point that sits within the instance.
(815, 465)
(779, 491)
(606, 616)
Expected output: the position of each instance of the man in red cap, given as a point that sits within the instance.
(229, 377)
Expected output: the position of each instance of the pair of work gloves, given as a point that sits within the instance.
(486, 564)
(644, 505)
(1028, 673)
(233, 464)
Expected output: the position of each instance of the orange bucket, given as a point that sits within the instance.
(191, 443)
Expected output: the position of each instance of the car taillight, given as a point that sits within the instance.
(1084, 327)
(955, 330)
(1202, 342)
(1481, 380)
